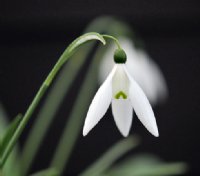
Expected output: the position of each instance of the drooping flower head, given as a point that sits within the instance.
(141, 67)
(124, 94)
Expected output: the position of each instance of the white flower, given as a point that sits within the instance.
(124, 94)
(140, 66)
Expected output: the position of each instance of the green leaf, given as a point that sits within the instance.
(146, 165)
(47, 172)
(9, 132)
(11, 168)
(3, 120)
(114, 153)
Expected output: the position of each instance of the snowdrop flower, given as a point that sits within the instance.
(140, 66)
(124, 94)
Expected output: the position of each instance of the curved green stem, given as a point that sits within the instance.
(64, 57)
(76, 118)
(52, 102)
(113, 38)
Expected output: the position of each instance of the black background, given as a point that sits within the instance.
(33, 34)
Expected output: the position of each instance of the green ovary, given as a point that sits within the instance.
(121, 94)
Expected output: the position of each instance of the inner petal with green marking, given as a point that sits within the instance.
(121, 94)
(120, 84)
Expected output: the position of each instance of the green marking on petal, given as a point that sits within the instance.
(121, 94)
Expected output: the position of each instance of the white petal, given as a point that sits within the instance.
(159, 81)
(100, 104)
(142, 106)
(107, 63)
(123, 114)
(138, 68)
(157, 87)
(120, 81)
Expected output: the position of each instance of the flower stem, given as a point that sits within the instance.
(113, 38)
(64, 57)
(76, 118)
(50, 107)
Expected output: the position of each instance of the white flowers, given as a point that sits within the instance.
(141, 67)
(123, 93)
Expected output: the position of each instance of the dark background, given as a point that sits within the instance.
(33, 34)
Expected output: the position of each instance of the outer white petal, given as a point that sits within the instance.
(142, 106)
(139, 69)
(100, 104)
(123, 114)
(155, 76)
(159, 81)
